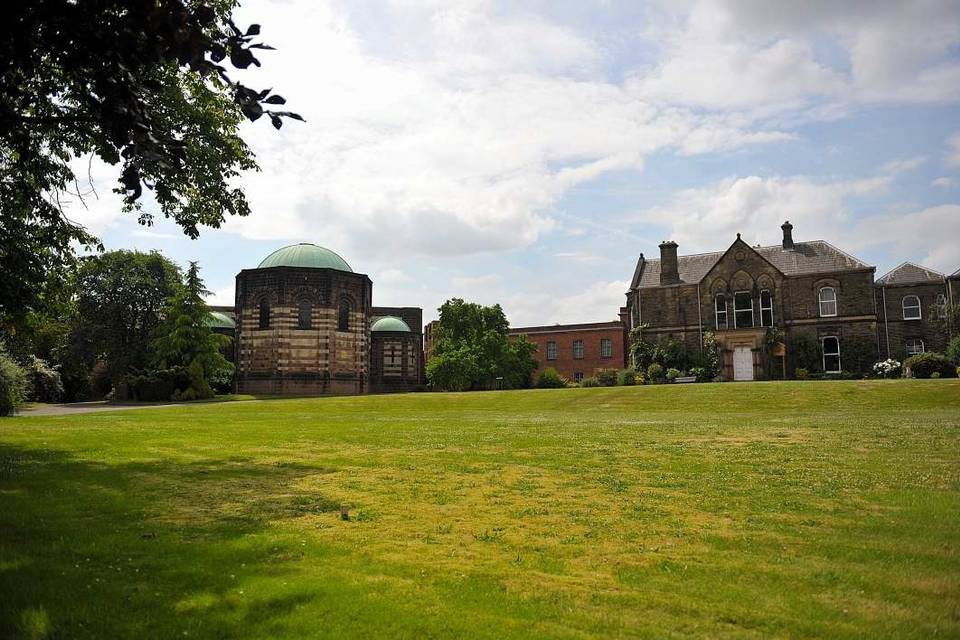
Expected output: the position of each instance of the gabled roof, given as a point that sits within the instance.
(816, 256)
(955, 274)
(910, 273)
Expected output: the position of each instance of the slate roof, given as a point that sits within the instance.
(816, 256)
(910, 273)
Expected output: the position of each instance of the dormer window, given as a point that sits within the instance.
(828, 302)
(911, 308)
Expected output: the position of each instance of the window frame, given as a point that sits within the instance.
(717, 299)
(553, 344)
(606, 348)
(769, 308)
(904, 307)
(304, 306)
(736, 311)
(941, 304)
(263, 314)
(825, 355)
(578, 376)
(578, 351)
(906, 346)
(834, 302)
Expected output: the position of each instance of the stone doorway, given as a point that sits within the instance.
(742, 363)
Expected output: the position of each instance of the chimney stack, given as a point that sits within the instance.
(669, 269)
(787, 235)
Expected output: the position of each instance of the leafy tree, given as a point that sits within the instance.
(551, 379)
(472, 349)
(120, 296)
(138, 84)
(185, 338)
(13, 383)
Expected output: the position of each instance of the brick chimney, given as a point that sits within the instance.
(669, 269)
(787, 235)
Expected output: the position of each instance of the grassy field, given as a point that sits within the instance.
(815, 509)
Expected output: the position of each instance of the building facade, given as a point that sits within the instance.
(305, 325)
(755, 299)
(577, 351)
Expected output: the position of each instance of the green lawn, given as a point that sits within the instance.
(813, 509)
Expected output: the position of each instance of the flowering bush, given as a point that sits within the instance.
(888, 368)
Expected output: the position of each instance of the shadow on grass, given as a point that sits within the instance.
(148, 549)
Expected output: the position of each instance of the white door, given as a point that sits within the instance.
(742, 363)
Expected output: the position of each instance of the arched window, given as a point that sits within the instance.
(304, 313)
(941, 305)
(766, 308)
(720, 307)
(828, 302)
(264, 314)
(743, 310)
(343, 316)
(911, 308)
(831, 354)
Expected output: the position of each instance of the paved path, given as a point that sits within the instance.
(91, 407)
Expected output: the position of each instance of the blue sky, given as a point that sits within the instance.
(526, 153)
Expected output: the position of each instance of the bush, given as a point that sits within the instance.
(953, 351)
(222, 379)
(607, 377)
(672, 374)
(45, 384)
(590, 382)
(550, 379)
(13, 383)
(935, 375)
(888, 368)
(924, 365)
(700, 373)
(654, 373)
(627, 378)
(802, 374)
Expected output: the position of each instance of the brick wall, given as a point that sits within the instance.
(564, 337)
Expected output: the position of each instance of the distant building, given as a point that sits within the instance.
(305, 324)
(578, 351)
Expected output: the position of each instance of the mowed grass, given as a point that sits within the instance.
(814, 509)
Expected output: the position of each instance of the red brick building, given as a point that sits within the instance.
(578, 351)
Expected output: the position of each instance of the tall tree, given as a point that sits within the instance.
(120, 296)
(185, 338)
(137, 83)
(471, 349)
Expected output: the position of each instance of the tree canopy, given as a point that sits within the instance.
(471, 349)
(138, 84)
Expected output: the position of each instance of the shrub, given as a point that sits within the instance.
(627, 378)
(590, 382)
(700, 373)
(13, 383)
(924, 365)
(888, 368)
(222, 379)
(607, 377)
(802, 374)
(672, 374)
(935, 375)
(550, 379)
(45, 383)
(654, 373)
(953, 351)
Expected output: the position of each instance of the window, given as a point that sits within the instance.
(766, 308)
(551, 350)
(831, 354)
(914, 346)
(941, 305)
(606, 348)
(911, 308)
(304, 311)
(578, 376)
(578, 349)
(264, 314)
(742, 310)
(828, 302)
(721, 310)
(343, 316)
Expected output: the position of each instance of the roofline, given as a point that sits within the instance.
(912, 264)
(849, 255)
(352, 273)
(558, 328)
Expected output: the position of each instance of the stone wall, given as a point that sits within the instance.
(895, 331)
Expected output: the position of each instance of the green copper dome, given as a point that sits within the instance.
(219, 320)
(389, 323)
(305, 255)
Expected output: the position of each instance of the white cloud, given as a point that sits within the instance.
(953, 151)
(222, 297)
(943, 182)
(927, 236)
(599, 302)
(895, 167)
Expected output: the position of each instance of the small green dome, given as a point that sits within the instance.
(305, 255)
(218, 320)
(389, 323)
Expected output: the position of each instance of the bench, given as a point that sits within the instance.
(686, 379)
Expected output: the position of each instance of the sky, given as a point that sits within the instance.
(526, 153)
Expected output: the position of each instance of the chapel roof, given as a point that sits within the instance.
(305, 254)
